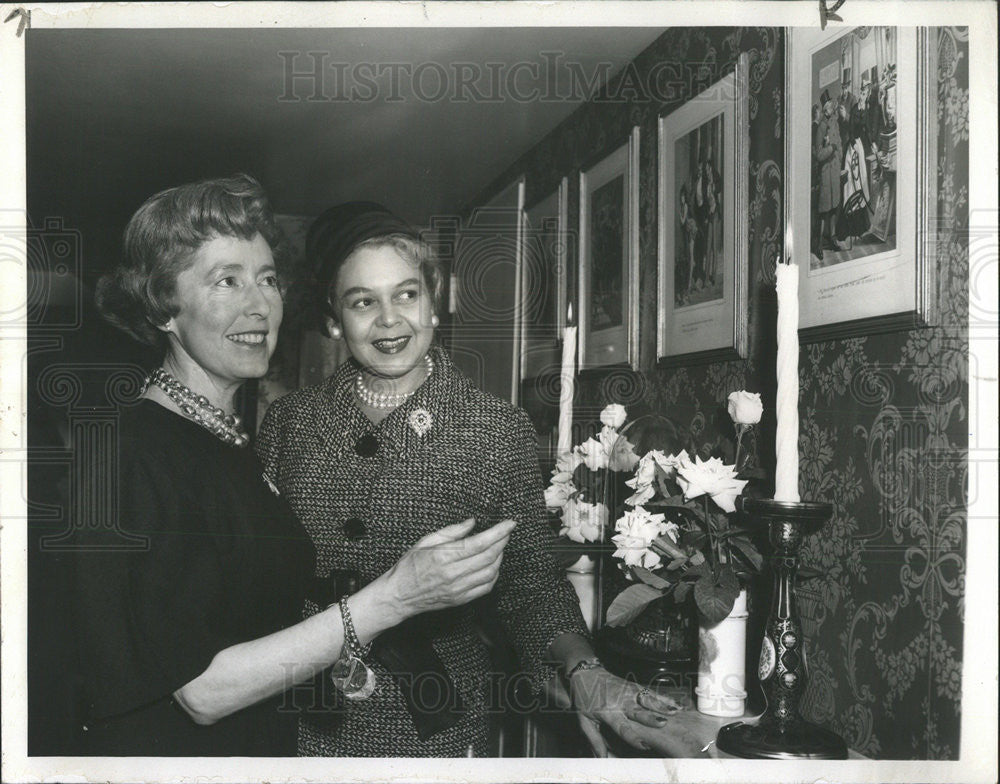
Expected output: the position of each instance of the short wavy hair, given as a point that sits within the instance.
(329, 245)
(414, 250)
(161, 239)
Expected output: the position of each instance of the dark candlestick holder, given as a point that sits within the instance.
(781, 732)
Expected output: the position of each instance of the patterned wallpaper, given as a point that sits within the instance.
(883, 418)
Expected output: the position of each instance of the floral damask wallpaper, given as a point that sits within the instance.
(884, 427)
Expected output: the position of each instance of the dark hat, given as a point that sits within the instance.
(824, 97)
(335, 234)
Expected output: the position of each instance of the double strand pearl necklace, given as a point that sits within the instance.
(198, 408)
(382, 400)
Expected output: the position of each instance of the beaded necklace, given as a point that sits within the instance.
(382, 400)
(198, 408)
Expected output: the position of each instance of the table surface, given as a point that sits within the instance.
(690, 734)
(715, 723)
(687, 734)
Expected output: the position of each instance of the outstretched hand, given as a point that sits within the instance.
(448, 568)
(639, 716)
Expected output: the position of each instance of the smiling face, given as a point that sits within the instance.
(230, 309)
(385, 312)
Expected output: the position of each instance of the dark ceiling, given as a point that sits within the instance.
(419, 119)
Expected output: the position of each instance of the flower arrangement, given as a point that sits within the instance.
(578, 490)
(688, 548)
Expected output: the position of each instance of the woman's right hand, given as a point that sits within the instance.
(447, 568)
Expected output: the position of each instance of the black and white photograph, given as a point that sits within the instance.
(499, 392)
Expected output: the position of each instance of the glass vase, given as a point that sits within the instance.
(665, 629)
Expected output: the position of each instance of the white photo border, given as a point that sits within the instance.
(979, 672)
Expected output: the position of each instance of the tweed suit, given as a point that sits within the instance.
(476, 458)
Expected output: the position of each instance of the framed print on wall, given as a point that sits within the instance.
(861, 120)
(485, 325)
(542, 297)
(703, 258)
(608, 280)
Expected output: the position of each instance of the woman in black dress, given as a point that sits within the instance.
(189, 630)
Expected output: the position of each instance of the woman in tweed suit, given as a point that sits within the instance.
(395, 444)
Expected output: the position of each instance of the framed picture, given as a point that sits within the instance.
(608, 294)
(485, 327)
(860, 140)
(542, 300)
(702, 256)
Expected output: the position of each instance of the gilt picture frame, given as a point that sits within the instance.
(703, 259)
(542, 297)
(860, 211)
(608, 279)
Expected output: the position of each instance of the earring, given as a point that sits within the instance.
(335, 332)
(435, 320)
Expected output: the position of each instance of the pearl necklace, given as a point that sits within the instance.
(382, 400)
(198, 408)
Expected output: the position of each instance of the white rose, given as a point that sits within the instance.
(670, 463)
(621, 454)
(639, 523)
(712, 477)
(745, 407)
(613, 415)
(633, 553)
(558, 493)
(593, 454)
(593, 520)
(645, 472)
(583, 522)
(640, 496)
(650, 560)
(637, 529)
(568, 462)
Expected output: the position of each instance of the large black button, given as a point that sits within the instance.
(355, 528)
(367, 445)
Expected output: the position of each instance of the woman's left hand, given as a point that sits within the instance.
(602, 698)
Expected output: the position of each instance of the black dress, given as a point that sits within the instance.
(208, 556)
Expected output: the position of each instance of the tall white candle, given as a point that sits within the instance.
(567, 379)
(786, 440)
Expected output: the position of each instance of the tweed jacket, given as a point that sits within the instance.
(450, 452)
